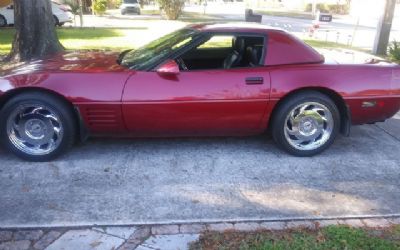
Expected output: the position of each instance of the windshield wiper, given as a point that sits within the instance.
(122, 55)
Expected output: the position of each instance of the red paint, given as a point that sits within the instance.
(284, 48)
(114, 100)
(212, 102)
(168, 68)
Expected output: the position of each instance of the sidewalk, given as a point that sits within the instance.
(163, 237)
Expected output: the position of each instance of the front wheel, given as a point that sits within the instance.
(3, 21)
(306, 124)
(37, 127)
(56, 22)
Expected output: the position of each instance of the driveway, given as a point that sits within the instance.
(119, 182)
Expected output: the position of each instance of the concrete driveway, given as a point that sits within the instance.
(119, 182)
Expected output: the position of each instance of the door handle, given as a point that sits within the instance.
(254, 80)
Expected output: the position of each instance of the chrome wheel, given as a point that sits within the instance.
(34, 129)
(309, 126)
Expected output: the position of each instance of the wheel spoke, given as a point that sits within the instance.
(34, 129)
(291, 132)
(303, 108)
(36, 110)
(311, 126)
(57, 131)
(51, 117)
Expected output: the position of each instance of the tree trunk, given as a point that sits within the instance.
(35, 35)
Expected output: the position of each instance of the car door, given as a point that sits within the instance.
(220, 102)
(196, 102)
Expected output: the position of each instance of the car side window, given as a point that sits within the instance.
(224, 52)
(217, 42)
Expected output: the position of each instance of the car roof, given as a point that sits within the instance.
(234, 26)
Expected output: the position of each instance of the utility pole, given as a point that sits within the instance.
(80, 12)
(383, 29)
(314, 7)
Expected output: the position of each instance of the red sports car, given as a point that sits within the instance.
(203, 80)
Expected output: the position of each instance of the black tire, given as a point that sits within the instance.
(284, 109)
(123, 12)
(63, 111)
(3, 21)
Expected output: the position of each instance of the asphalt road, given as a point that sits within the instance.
(114, 182)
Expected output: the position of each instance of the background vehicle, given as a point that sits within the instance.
(61, 13)
(130, 6)
(203, 80)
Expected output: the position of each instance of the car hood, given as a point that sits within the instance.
(67, 61)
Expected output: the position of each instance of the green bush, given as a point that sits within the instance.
(341, 9)
(394, 51)
(99, 6)
(172, 8)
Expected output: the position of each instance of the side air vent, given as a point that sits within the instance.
(100, 119)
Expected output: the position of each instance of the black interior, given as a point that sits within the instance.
(235, 58)
(245, 51)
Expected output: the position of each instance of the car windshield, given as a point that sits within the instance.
(151, 53)
(130, 1)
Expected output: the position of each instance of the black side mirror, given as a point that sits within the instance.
(121, 56)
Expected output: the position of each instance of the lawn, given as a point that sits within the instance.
(111, 39)
(293, 14)
(86, 38)
(332, 237)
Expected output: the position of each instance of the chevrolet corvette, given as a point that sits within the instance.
(202, 80)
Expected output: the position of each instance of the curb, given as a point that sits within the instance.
(41, 238)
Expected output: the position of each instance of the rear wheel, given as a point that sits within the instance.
(3, 21)
(306, 124)
(37, 127)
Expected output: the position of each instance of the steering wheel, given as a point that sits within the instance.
(181, 64)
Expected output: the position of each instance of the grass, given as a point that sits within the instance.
(85, 38)
(332, 237)
(194, 17)
(154, 12)
(323, 44)
(113, 39)
(294, 14)
(332, 45)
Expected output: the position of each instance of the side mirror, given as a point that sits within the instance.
(170, 67)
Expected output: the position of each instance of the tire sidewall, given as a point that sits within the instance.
(278, 129)
(62, 111)
(56, 22)
(3, 19)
